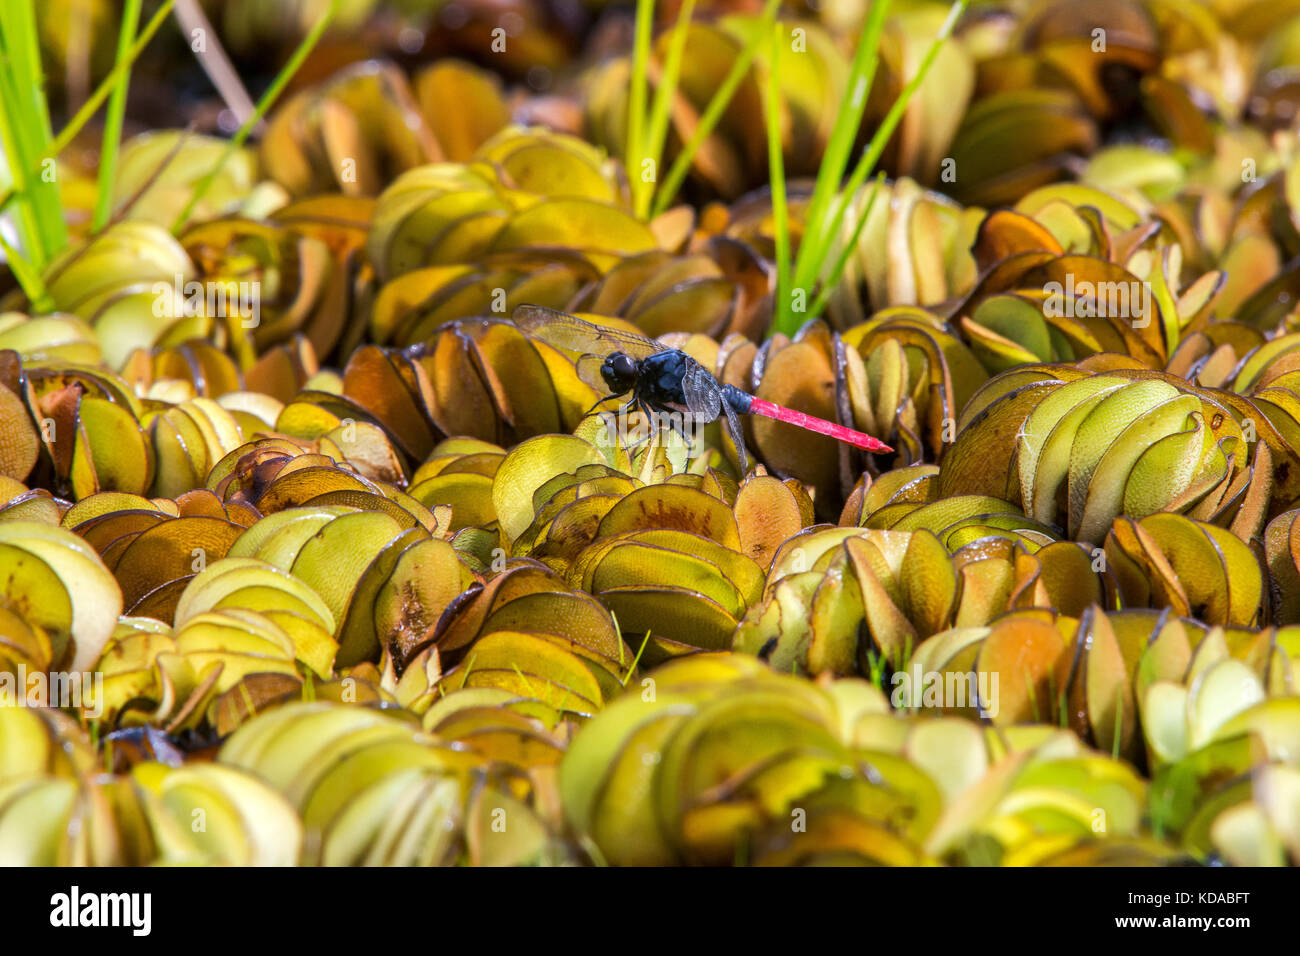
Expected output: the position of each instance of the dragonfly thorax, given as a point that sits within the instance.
(619, 370)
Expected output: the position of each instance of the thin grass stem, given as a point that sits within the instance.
(776, 163)
(112, 142)
(657, 130)
(713, 112)
(265, 103)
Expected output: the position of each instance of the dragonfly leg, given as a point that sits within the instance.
(652, 417)
(599, 403)
(651, 423)
(679, 426)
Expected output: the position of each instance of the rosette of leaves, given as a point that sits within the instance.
(121, 282)
(1073, 271)
(781, 749)
(1137, 684)
(911, 247)
(381, 574)
(908, 378)
(265, 282)
(673, 554)
(685, 586)
(1067, 76)
(157, 172)
(1086, 672)
(723, 286)
(196, 368)
(1194, 568)
(908, 499)
(82, 430)
(536, 218)
(355, 777)
(523, 630)
(774, 742)
(367, 124)
(520, 734)
(78, 429)
(1082, 449)
(324, 427)
(215, 651)
(61, 599)
(1224, 770)
(851, 600)
(482, 378)
(525, 192)
(473, 378)
(1230, 210)
(57, 810)
(248, 822)
(458, 475)
(548, 474)
(153, 549)
(1047, 792)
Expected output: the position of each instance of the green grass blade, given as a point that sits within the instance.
(786, 322)
(91, 106)
(713, 112)
(27, 131)
(776, 166)
(835, 160)
(113, 120)
(657, 132)
(634, 149)
(827, 288)
(29, 278)
(636, 660)
(871, 155)
(265, 103)
(17, 156)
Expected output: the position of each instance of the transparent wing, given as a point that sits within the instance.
(566, 331)
(703, 395)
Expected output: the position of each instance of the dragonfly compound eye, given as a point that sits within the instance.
(619, 372)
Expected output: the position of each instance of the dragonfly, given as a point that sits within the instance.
(663, 380)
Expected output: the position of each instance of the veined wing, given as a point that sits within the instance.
(569, 332)
(703, 395)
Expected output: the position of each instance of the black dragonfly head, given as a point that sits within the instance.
(619, 370)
